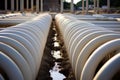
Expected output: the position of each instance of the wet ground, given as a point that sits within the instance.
(55, 63)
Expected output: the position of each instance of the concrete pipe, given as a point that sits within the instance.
(97, 56)
(64, 23)
(83, 41)
(28, 33)
(82, 38)
(71, 41)
(77, 42)
(38, 27)
(38, 44)
(86, 51)
(32, 34)
(79, 37)
(115, 29)
(74, 25)
(75, 34)
(12, 70)
(109, 69)
(26, 41)
(23, 33)
(42, 29)
(73, 31)
(22, 50)
(39, 33)
(71, 26)
(18, 59)
(79, 30)
(1, 77)
(28, 38)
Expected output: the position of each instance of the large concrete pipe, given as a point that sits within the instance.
(95, 58)
(1, 77)
(23, 38)
(109, 69)
(89, 48)
(77, 43)
(29, 33)
(29, 39)
(18, 59)
(76, 33)
(13, 72)
(82, 39)
(21, 49)
(80, 36)
(80, 43)
(24, 45)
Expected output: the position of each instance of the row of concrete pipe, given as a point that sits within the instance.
(21, 48)
(87, 46)
(9, 15)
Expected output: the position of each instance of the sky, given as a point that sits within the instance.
(75, 1)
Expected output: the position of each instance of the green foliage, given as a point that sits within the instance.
(66, 5)
(113, 3)
(79, 4)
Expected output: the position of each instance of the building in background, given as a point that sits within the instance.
(51, 5)
(48, 5)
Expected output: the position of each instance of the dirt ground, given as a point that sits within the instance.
(48, 61)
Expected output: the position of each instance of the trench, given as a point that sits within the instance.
(55, 63)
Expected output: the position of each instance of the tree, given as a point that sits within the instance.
(66, 5)
(79, 4)
(113, 3)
